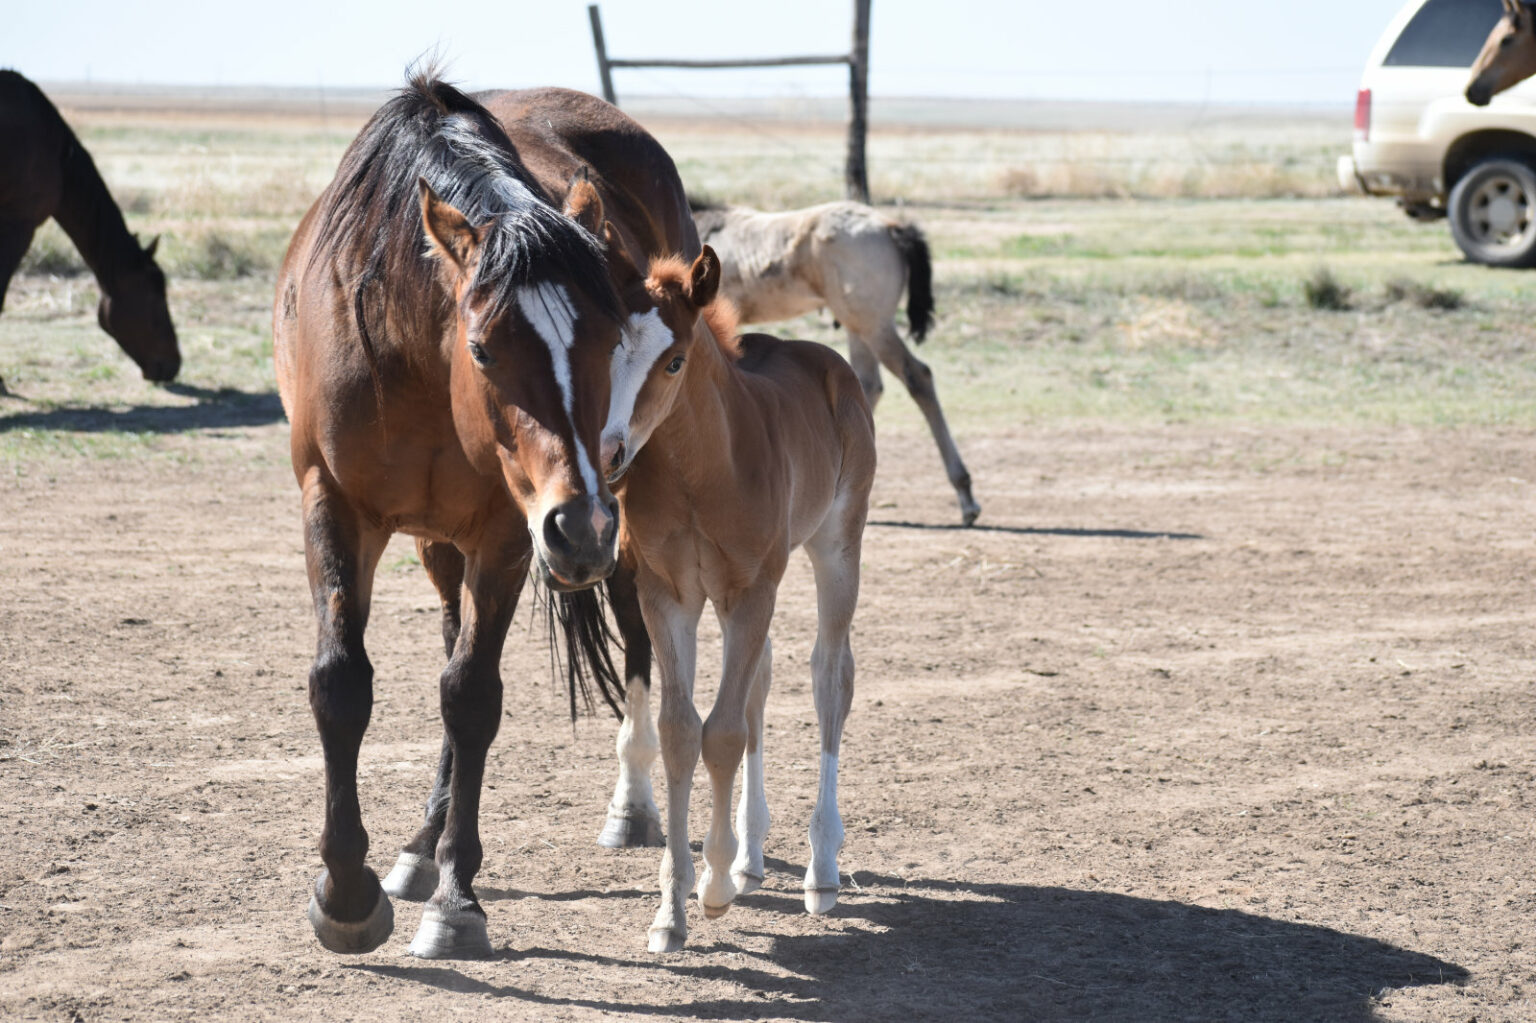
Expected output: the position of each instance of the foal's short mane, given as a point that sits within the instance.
(670, 273)
(371, 225)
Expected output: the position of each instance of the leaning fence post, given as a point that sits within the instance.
(856, 178)
(602, 54)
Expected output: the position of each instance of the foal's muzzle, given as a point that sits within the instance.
(578, 544)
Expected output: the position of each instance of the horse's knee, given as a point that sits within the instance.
(918, 378)
(873, 387)
(341, 692)
(471, 701)
(723, 743)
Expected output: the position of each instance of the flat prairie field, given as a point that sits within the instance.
(1224, 709)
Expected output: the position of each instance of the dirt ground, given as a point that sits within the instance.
(1201, 723)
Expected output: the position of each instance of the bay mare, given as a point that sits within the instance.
(1508, 56)
(46, 172)
(443, 328)
(846, 257)
(733, 451)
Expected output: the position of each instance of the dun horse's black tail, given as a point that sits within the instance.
(578, 624)
(914, 249)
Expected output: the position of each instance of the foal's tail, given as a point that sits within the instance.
(914, 250)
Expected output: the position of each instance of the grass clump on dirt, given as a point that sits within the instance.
(1425, 296)
(52, 255)
(1326, 292)
(218, 256)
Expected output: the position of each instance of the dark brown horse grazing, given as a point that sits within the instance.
(563, 137)
(46, 172)
(443, 333)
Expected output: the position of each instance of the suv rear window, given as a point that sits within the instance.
(1445, 33)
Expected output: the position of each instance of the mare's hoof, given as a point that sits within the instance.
(455, 934)
(632, 830)
(820, 900)
(746, 882)
(970, 511)
(355, 938)
(665, 939)
(715, 912)
(414, 878)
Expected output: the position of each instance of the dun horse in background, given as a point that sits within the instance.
(847, 258)
(442, 334)
(46, 172)
(1508, 57)
(733, 452)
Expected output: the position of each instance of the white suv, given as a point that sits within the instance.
(1417, 138)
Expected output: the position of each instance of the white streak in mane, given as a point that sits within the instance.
(549, 311)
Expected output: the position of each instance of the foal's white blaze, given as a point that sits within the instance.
(826, 834)
(547, 307)
(646, 337)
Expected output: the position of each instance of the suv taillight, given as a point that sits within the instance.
(1363, 116)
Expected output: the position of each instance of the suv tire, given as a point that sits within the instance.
(1493, 212)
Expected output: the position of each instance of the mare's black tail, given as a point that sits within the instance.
(914, 249)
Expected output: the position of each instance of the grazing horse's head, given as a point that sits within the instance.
(1508, 57)
(136, 316)
(660, 334)
(530, 377)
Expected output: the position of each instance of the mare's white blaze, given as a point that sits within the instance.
(646, 337)
(826, 835)
(547, 307)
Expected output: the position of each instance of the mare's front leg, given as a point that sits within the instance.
(414, 877)
(15, 239)
(633, 820)
(452, 922)
(745, 628)
(673, 627)
(349, 911)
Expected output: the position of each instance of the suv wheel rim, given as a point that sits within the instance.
(1501, 214)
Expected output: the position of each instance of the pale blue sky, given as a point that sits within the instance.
(1303, 51)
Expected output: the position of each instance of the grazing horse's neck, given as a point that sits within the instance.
(92, 220)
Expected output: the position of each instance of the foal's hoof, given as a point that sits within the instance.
(665, 939)
(632, 830)
(414, 878)
(746, 882)
(352, 938)
(820, 900)
(451, 934)
(970, 511)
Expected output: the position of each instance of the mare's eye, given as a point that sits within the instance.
(479, 354)
(675, 365)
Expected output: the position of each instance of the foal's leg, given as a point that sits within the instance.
(745, 629)
(834, 553)
(414, 877)
(349, 912)
(633, 820)
(452, 922)
(752, 813)
(918, 379)
(674, 628)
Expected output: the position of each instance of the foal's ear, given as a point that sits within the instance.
(704, 278)
(585, 206)
(449, 231)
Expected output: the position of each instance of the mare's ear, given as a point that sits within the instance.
(704, 278)
(154, 243)
(625, 274)
(447, 229)
(585, 206)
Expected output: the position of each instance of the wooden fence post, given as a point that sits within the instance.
(856, 178)
(602, 54)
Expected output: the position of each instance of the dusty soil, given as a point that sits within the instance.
(1202, 723)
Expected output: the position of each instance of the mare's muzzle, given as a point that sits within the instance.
(579, 542)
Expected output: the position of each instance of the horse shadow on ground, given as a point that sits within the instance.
(1109, 534)
(948, 950)
(215, 408)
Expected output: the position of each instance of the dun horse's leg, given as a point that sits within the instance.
(633, 820)
(725, 739)
(674, 630)
(452, 922)
(918, 379)
(867, 368)
(414, 877)
(349, 911)
(834, 556)
(15, 239)
(752, 813)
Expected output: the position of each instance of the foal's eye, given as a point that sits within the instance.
(480, 355)
(675, 365)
